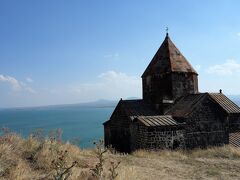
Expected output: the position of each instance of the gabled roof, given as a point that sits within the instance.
(133, 109)
(225, 103)
(185, 105)
(136, 108)
(168, 59)
(234, 139)
(157, 120)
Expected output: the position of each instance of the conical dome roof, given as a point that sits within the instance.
(168, 59)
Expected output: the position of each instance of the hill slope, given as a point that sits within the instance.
(39, 158)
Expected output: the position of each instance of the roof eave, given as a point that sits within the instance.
(145, 74)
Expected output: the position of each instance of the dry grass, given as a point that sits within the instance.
(31, 158)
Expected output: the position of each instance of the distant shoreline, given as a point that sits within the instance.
(48, 108)
(94, 104)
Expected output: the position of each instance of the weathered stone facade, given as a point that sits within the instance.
(234, 121)
(206, 126)
(183, 84)
(117, 131)
(156, 138)
(137, 136)
(172, 113)
(170, 86)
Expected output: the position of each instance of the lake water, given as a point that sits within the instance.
(80, 123)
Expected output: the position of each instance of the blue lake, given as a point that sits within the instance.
(80, 123)
(76, 122)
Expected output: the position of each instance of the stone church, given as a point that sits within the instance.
(173, 113)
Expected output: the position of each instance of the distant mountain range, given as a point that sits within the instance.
(102, 103)
(235, 98)
(98, 103)
(113, 103)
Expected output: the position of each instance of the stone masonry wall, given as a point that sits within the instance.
(155, 138)
(165, 138)
(234, 123)
(139, 136)
(169, 86)
(156, 88)
(117, 132)
(184, 83)
(206, 126)
(118, 137)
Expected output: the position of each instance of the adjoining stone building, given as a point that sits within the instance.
(173, 113)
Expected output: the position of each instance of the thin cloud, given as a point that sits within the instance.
(25, 87)
(108, 56)
(29, 80)
(230, 67)
(238, 34)
(15, 84)
(31, 90)
(110, 85)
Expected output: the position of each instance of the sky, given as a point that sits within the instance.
(63, 52)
